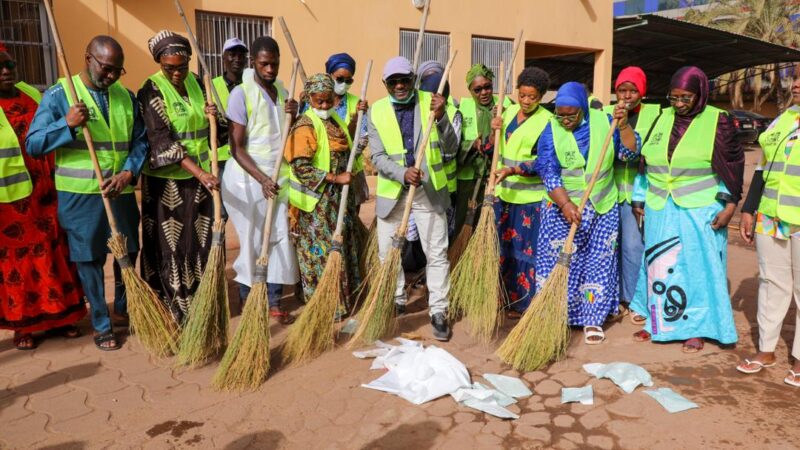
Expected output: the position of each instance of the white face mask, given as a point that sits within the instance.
(340, 88)
(323, 114)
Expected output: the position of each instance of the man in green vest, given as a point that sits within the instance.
(111, 113)
(395, 125)
(234, 61)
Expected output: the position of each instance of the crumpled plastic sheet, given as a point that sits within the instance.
(490, 401)
(671, 400)
(625, 375)
(513, 387)
(584, 395)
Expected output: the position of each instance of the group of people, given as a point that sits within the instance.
(656, 216)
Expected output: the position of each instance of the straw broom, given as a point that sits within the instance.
(149, 318)
(376, 318)
(205, 332)
(312, 333)
(542, 334)
(475, 280)
(246, 361)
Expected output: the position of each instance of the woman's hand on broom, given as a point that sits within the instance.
(211, 110)
(342, 178)
(497, 123)
(504, 173)
(268, 187)
(209, 181)
(570, 212)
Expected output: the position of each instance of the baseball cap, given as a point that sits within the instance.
(232, 43)
(397, 66)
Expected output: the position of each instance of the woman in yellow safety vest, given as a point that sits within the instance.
(317, 150)
(177, 209)
(772, 210)
(569, 151)
(694, 170)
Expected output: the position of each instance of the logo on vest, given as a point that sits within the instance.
(179, 109)
(772, 138)
(655, 138)
(93, 114)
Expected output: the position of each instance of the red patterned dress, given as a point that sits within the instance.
(39, 287)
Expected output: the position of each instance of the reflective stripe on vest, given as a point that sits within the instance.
(469, 130)
(451, 167)
(519, 148)
(15, 181)
(223, 152)
(30, 91)
(188, 122)
(781, 196)
(576, 172)
(301, 196)
(625, 172)
(74, 168)
(688, 177)
(385, 121)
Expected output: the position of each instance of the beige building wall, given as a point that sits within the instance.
(364, 28)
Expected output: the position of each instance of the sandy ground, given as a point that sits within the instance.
(66, 394)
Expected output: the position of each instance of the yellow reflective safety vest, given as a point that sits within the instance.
(573, 174)
(385, 121)
(223, 152)
(469, 130)
(451, 167)
(29, 90)
(519, 148)
(301, 196)
(625, 172)
(688, 177)
(15, 181)
(74, 169)
(189, 123)
(781, 196)
(352, 108)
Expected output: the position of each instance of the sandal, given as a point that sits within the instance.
(638, 319)
(104, 338)
(284, 318)
(24, 341)
(591, 332)
(513, 315)
(693, 345)
(792, 378)
(623, 311)
(641, 336)
(758, 366)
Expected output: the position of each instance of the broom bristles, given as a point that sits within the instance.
(376, 317)
(542, 334)
(313, 334)
(205, 333)
(459, 245)
(150, 320)
(246, 362)
(475, 281)
(369, 254)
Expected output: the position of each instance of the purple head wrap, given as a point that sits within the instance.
(694, 80)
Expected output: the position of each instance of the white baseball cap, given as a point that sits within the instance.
(232, 43)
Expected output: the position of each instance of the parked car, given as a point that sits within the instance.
(749, 125)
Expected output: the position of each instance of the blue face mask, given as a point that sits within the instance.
(402, 102)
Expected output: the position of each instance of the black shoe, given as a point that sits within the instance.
(399, 310)
(441, 332)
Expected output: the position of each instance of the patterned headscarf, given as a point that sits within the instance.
(166, 42)
(479, 70)
(321, 82)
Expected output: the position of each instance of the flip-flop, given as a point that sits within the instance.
(638, 319)
(790, 380)
(593, 331)
(641, 336)
(19, 338)
(759, 365)
(693, 345)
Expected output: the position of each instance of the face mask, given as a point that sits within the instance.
(340, 88)
(402, 102)
(323, 114)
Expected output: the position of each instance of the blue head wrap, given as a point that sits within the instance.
(573, 94)
(338, 61)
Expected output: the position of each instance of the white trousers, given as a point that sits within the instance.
(432, 229)
(779, 276)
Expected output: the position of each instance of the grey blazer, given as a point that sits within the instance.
(448, 145)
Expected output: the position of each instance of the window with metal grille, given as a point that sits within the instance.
(435, 46)
(489, 52)
(23, 28)
(213, 29)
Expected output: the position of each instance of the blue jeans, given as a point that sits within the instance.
(631, 249)
(92, 279)
(274, 294)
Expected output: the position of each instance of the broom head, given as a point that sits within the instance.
(369, 253)
(150, 320)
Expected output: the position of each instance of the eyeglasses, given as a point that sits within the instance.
(343, 80)
(485, 87)
(570, 117)
(9, 64)
(685, 99)
(392, 82)
(171, 69)
(107, 68)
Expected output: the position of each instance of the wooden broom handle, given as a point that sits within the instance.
(73, 97)
(420, 37)
(293, 48)
(276, 171)
(585, 198)
(423, 144)
(498, 136)
(200, 58)
(513, 57)
(212, 142)
(337, 234)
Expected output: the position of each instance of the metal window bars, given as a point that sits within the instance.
(24, 30)
(435, 46)
(489, 52)
(213, 29)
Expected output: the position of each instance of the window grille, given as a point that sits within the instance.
(24, 30)
(435, 46)
(489, 52)
(213, 29)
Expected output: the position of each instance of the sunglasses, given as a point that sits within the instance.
(570, 117)
(485, 87)
(392, 82)
(107, 68)
(10, 65)
(343, 80)
(171, 69)
(686, 99)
